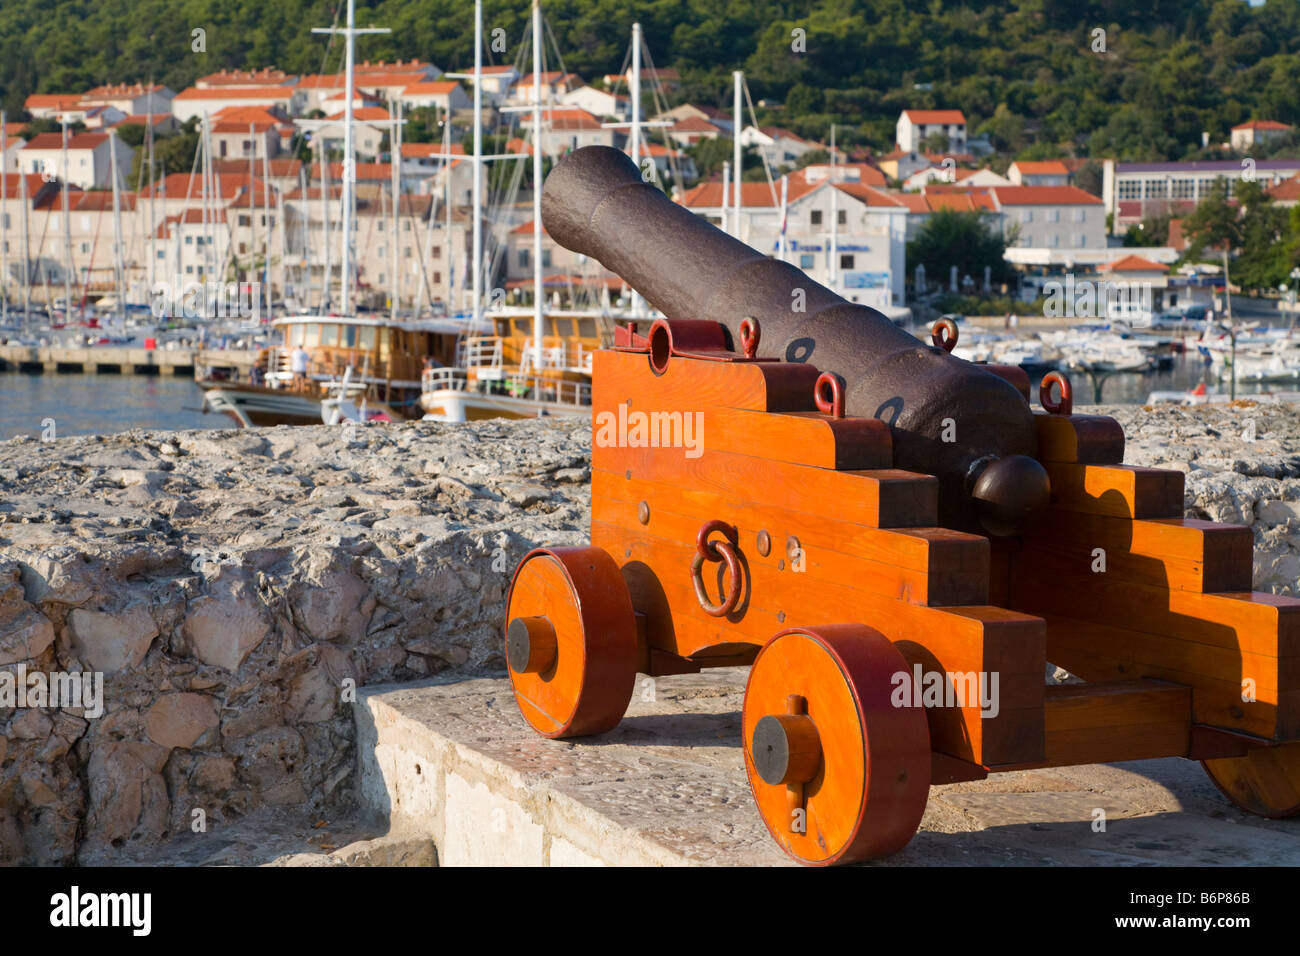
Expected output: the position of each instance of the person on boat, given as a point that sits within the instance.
(256, 375)
(298, 361)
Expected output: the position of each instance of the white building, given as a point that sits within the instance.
(777, 145)
(194, 102)
(1246, 135)
(443, 95)
(598, 102)
(1051, 217)
(863, 257)
(1050, 172)
(915, 126)
(88, 163)
(131, 98)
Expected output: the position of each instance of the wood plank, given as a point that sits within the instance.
(951, 640)
(923, 549)
(1125, 491)
(924, 566)
(1113, 721)
(1082, 439)
(1186, 554)
(880, 498)
(802, 438)
(1096, 652)
(697, 384)
(1251, 622)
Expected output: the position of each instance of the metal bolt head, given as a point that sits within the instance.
(764, 543)
(792, 547)
(643, 513)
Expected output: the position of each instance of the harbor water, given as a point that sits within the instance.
(104, 404)
(99, 404)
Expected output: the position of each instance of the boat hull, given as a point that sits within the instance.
(252, 405)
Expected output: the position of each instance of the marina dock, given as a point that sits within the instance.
(112, 360)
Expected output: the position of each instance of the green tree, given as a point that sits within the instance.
(963, 239)
(1213, 223)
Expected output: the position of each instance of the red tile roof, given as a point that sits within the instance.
(1136, 264)
(1051, 167)
(1044, 196)
(269, 76)
(1288, 190)
(1262, 124)
(75, 141)
(431, 149)
(435, 88)
(238, 93)
(930, 117)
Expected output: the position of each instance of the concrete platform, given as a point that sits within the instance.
(455, 762)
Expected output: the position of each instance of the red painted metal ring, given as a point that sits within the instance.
(1066, 403)
(750, 333)
(728, 554)
(834, 405)
(944, 334)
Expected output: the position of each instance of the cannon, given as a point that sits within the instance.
(893, 540)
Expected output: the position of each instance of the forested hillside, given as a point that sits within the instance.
(1036, 75)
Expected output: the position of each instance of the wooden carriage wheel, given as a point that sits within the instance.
(570, 641)
(1265, 782)
(838, 773)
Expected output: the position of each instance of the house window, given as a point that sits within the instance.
(842, 217)
(523, 258)
(846, 262)
(162, 254)
(1026, 215)
(1080, 214)
(1080, 240)
(1183, 188)
(546, 258)
(437, 277)
(223, 149)
(437, 252)
(189, 270)
(243, 220)
(85, 247)
(1157, 189)
(1053, 215)
(1054, 240)
(815, 217)
(1130, 189)
(189, 240)
(243, 248)
(805, 260)
(406, 252)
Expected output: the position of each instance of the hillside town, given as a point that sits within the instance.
(85, 214)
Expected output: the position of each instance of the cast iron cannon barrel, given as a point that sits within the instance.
(967, 426)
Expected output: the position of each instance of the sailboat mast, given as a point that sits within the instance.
(726, 185)
(835, 219)
(736, 79)
(538, 280)
(349, 160)
(27, 252)
(634, 138)
(119, 268)
(395, 148)
(478, 166)
(67, 230)
(4, 223)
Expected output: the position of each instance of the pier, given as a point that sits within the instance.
(117, 360)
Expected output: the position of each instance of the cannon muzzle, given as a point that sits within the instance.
(950, 418)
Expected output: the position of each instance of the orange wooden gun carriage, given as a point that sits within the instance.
(740, 516)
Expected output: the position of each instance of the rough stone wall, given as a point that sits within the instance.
(228, 585)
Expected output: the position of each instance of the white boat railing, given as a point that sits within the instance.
(481, 351)
(536, 388)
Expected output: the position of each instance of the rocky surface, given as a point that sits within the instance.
(1243, 467)
(235, 587)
